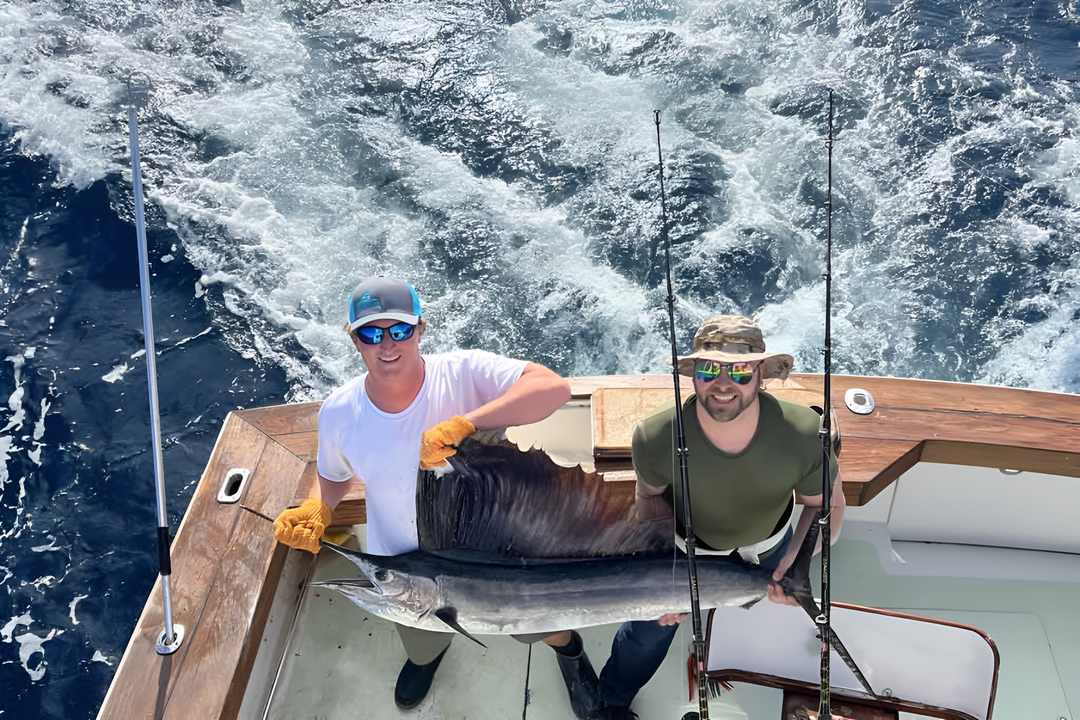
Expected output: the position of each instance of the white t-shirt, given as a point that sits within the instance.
(383, 449)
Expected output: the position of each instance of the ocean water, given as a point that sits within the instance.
(502, 157)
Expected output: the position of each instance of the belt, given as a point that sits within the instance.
(750, 553)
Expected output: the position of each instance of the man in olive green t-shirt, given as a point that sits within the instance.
(749, 456)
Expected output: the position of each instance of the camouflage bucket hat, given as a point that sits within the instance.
(733, 338)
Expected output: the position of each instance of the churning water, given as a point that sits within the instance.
(502, 157)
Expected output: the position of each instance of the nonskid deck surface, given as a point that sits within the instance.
(1033, 622)
(342, 662)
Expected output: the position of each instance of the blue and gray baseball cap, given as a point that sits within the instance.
(381, 298)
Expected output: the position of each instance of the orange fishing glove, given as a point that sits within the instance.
(440, 442)
(302, 527)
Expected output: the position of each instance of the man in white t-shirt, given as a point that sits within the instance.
(407, 407)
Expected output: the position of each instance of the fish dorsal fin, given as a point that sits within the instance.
(449, 616)
(500, 499)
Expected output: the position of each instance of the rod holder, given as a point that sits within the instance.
(164, 646)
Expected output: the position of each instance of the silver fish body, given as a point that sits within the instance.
(511, 543)
(491, 594)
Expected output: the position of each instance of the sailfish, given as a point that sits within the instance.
(511, 542)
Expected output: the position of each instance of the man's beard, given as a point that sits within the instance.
(729, 411)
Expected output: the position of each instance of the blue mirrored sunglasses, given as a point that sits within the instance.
(371, 335)
(740, 373)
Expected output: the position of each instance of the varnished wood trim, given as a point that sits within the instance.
(284, 419)
(1039, 460)
(869, 466)
(225, 568)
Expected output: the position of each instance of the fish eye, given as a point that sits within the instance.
(382, 575)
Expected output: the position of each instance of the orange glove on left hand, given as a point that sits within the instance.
(302, 527)
(440, 442)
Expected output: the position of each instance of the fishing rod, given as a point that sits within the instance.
(821, 615)
(825, 518)
(684, 476)
(173, 634)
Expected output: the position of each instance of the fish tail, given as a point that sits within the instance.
(796, 582)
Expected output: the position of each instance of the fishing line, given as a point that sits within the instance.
(690, 540)
(674, 520)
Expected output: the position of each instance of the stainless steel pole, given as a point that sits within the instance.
(172, 634)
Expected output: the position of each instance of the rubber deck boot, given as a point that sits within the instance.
(414, 681)
(581, 682)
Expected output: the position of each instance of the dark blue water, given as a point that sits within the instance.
(78, 521)
(501, 156)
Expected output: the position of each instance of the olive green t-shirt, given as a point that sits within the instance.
(737, 499)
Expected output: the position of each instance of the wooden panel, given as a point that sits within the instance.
(284, 419)
(614, 465)
(225, 565)
(222, 646)
(585, 386)
(617, 411)
(913, 420)
(304, 489)
(957, 412)
(868, 466)
(304, 445)
(623, 483)
(352, 510)
(1050, 462)
(293, 426)
(143, 681)
(801, 395)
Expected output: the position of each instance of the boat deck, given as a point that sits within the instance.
(1024, 600)
(236, 591)
(344, 662)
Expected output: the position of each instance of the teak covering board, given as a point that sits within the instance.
(225, 566)
(913, 421)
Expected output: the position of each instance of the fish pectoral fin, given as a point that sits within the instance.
(449, 616)
(750, 603)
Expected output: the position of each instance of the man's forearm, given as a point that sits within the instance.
(808, 515)
(331, 492)
(537, 394)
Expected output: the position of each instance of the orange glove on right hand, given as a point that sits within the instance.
(441, 441)
(302, 527)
